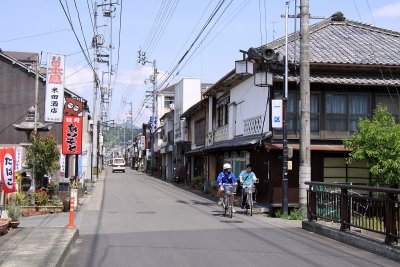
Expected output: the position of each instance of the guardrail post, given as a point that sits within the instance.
(311, 204)
(389, 218)
(344, 210)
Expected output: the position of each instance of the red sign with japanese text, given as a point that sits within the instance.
(72, 135)
(7, 159)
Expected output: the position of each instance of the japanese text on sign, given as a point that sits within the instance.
(72, 135)
(54, 88)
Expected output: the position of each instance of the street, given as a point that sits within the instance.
(136, 220)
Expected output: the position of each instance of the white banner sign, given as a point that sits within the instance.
(153, 124)
(54, 103)
(62, 165)
(18, 158)
(277, 113)
(143, 142)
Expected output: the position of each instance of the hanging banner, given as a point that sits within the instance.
(72, 135)
(19, 151)
(7, 159)
(153, 124)
(54, 88)
(62, 165)
(277, 113)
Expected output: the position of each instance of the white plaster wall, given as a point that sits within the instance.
(187, 93)
(250, 102)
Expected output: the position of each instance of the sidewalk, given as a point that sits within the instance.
(42, 240)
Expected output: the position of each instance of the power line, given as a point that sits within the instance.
(80, 24)
(215, 11)
(35, 35)
(76, 71)
(259, 12)
(90, 15)
(358, 12)
(79, 42)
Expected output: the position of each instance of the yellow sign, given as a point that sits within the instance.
(290, 165)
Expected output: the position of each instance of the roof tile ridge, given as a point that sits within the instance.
(368, 26)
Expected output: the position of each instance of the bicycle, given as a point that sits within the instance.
(248, 190)
(229, 195)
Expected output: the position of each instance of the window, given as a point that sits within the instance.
(292, 107)
(292, 111)
(168, 100)
(358, 108)
(200, 133)
(336, 170)
(314, 110)
(336, 112)
(223, 112)
(343, 111)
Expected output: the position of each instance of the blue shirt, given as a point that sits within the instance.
(248, 178)
(226, 178)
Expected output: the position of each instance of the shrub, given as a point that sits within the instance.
(294, 214)
(14, 212)
(41, 197)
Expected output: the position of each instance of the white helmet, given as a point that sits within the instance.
(227, 166)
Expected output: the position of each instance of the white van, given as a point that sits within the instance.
(118, 164)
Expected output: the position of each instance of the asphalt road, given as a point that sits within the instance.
(136, 220)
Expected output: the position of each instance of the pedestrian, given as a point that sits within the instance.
(247, 179)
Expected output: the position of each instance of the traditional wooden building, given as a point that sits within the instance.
(353, 68)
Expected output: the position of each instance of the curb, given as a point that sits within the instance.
(354, 240)
(67, 249)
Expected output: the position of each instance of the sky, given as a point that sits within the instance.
(41, 26)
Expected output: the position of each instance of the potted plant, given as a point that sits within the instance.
(14, 212)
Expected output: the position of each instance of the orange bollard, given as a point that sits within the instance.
(71, 223)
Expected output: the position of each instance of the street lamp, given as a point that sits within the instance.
(244, 67)
(263, 79)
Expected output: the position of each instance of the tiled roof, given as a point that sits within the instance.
(353, 78)
(346, 42)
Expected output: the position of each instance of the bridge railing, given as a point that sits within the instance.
(369, 208)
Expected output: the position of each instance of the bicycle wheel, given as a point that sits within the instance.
(224, 204)
(250, 201)
(231, 206)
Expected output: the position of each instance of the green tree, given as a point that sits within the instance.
(377, 142)
(45, 155)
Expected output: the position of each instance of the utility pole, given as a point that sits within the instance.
(36, 118)
(305, 153)
(131, 112)
(285, 199)
(95, 85)
(153, 79)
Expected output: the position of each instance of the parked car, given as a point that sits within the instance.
(118, 165)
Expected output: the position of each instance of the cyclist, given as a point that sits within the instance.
(225, 177)
(247, 179)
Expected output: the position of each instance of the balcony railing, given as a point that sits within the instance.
(253, 125)
(221, 133)
(368, 208)
(211, 138)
